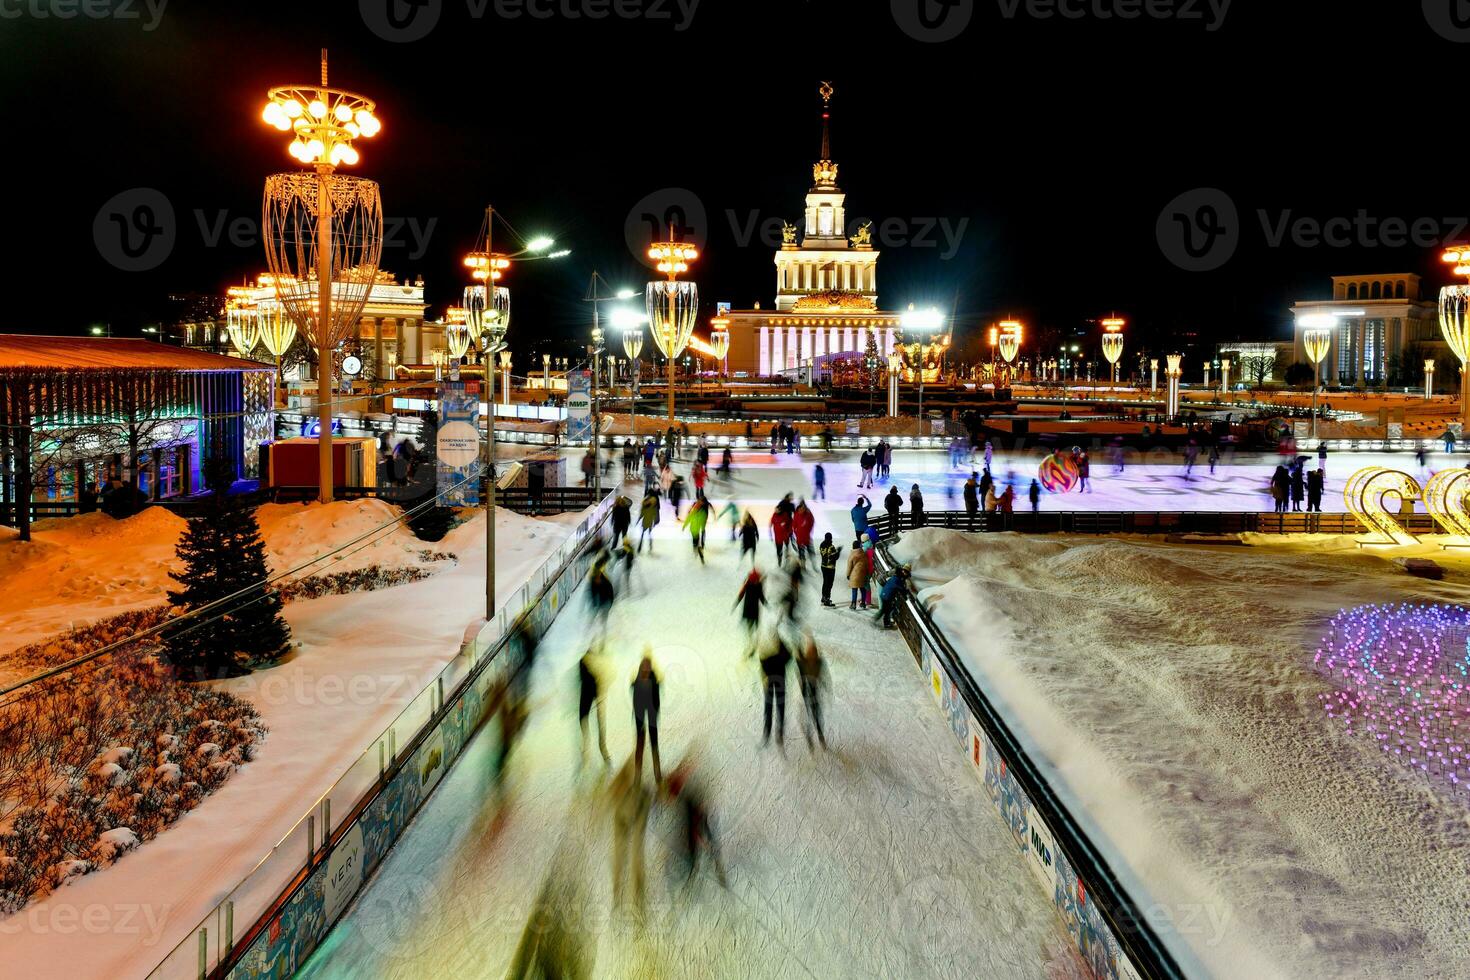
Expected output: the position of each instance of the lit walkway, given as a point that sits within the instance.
(882, 858)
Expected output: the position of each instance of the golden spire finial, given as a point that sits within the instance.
(825, 171)
(825, 91)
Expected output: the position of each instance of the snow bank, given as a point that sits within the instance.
(1168, 693)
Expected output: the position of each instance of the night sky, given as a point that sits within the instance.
(1049, 146)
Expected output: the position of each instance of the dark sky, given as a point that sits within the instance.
(1054, 144)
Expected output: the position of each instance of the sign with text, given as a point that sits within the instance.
(579, 405)
(459, 443)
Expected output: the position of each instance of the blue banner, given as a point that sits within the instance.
(458, 448)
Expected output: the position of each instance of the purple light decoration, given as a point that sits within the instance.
(1400, 672)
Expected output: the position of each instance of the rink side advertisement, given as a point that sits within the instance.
(1034, 840)
(579, 405)
(459, 443)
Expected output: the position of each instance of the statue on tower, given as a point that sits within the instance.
(788, 233)
(863, 237)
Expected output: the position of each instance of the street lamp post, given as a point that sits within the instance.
(1317, 331)
(310, 264)
(1010, 343)
(1173, 372)
(630, 322)
(1112, 342)
(719, 342)
(1454, 324)
(1428, 378)
(1224, 378)
(1153, 374)
(923, 322)
(672, 305)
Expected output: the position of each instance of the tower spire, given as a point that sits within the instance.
(824, 173)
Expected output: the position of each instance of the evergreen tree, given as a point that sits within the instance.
(222, 553)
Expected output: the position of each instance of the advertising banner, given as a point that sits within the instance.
(459, 443)
(579, 405)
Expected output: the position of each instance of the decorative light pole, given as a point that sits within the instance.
(1428, 378)
(457, 328)
(1153, 374)
(1112, 342)
(895, 370)
(1454, 324)
(672, 305)
(1317, 331)
(631, 323)
(594, 350)
(439, 357)
(546, 373)
(323, 230)
(1173, 372)
(719, 342)
(277, 332)
(1207, 374)
(242, 320)
(1010, 343)
(504, 379)
(926, 324)
(1224, 378)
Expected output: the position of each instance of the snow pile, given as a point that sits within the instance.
(1169, 694)
(94, 762)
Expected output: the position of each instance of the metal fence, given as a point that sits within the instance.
(1139, 522)
(1103, 921)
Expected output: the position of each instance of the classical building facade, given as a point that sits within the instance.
(393, 329)
(826, 286)
(1384, 322)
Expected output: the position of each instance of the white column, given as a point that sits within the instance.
(888, 342)
(765, 350)
(847, 338)
(819, 342)
(834, 340)
(791, 348)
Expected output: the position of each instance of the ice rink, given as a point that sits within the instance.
(879, 858)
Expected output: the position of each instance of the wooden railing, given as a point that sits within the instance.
(1140, 522)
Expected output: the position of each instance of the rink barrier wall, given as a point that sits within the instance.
(322, 883)
(1105, 925)
(1141, 522)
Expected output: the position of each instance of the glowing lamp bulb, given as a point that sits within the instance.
(318, 109)
(343, 112)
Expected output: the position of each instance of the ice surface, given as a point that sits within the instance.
(1169, 693)
(883, 858)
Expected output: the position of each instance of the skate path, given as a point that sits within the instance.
(880, 858)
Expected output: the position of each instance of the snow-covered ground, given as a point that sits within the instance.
(882, 858)
(1169, 692)
(360, 659)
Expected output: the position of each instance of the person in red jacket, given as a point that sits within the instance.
(802, 523)
(781, 531)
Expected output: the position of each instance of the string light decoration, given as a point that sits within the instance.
(1454, 323)
(1400, 674)
(1010, 340)
(672, 306)
(1444, 498)
(1365, 494)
